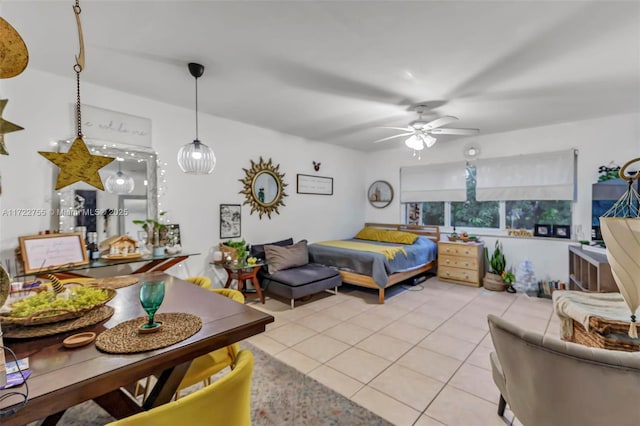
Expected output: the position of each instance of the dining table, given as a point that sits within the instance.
(61, 377)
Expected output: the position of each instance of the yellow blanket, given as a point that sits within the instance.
(389, 252)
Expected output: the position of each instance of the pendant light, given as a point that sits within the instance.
(196, 158)
(119, 183)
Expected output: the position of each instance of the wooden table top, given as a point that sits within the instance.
(64, 377)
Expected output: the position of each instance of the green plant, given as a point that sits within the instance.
(497, 262)
(508, 277)
(240, 246)
(150, 226)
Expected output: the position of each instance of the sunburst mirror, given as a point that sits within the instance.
(263, 187)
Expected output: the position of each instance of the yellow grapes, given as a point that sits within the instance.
(79, 298)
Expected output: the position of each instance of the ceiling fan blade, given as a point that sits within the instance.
(464, 132)
(439, 122)
(393, 137)
(406, 129)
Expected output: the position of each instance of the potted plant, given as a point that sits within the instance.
(509, 277)
(153, 227)
(496, 266)
(239, 248)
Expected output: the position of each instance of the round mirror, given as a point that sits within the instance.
(263, 187)
(380, 194)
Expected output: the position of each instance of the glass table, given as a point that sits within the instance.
(150, 264)
(242, 272)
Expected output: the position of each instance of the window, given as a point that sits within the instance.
(431, 213)
(525, 214)
(520, 214)
(472, 213)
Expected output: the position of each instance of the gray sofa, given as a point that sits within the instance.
(298, 281)
(548, 382)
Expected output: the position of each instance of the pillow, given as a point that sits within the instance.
(368, 233)
(280, 258)
(257, 250)
(386, 236)
(400, 237)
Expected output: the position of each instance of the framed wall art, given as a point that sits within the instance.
(318, 185)
(230, 217)
(561, 231)
(542, 230)
(52, 251)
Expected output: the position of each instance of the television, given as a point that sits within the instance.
(603, 197)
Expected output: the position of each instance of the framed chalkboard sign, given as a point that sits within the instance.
(45, 252)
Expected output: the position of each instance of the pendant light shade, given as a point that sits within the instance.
(119, 183)
(196, 158)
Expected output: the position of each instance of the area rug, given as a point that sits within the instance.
(280, 395)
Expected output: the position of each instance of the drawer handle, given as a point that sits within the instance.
(447, 261)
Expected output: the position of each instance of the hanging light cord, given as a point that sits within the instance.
(197, 109)
(78, 67)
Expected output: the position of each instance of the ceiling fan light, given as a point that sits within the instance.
(428, 140)
(414, 142)
(196, 158)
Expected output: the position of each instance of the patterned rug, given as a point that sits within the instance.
(280, 395)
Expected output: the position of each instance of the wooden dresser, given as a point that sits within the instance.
(461, 263)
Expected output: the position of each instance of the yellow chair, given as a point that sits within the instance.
(226, 402)
(200, 281)
(202, 368)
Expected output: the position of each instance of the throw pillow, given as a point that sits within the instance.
(279, 258)
(386, 236)
(257, 250)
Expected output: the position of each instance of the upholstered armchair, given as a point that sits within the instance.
(549, 382)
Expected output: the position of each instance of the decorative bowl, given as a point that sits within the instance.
(47, 316)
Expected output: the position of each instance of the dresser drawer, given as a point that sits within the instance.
(451, 273)
(466, 250)
(459, 262)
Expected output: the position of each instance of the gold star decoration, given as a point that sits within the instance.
(5, 127)
(78, 165)
(14, 55)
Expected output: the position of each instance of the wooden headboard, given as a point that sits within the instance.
(430, 231)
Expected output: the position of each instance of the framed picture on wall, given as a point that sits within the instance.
(561, 231)
(542, 230)
(230, 215)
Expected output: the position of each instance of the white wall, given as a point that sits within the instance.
(41, 103)
(599, 141)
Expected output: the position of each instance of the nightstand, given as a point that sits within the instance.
(461, 263)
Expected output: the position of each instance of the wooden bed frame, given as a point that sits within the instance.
(430, 231)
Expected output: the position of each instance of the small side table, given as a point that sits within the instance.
(243, 272)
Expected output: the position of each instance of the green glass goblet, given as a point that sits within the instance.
(151, 296)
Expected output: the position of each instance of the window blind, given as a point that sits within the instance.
(542, 176)
(434, 182)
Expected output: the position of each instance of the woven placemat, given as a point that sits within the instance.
(94, 316)
(113, 282)
(125, 339)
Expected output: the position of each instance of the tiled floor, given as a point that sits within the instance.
(420, 359)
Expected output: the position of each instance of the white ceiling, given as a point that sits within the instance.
(334, 71)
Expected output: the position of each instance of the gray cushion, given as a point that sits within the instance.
(257, 250)
(303, 275)
(280, 258)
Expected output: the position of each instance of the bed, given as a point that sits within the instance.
(374, 269)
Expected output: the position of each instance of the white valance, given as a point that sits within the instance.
(434, 182)
(542, 176)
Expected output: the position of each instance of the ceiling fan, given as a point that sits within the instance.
(421, 132)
